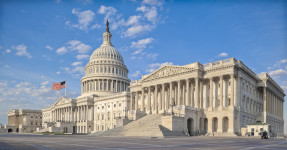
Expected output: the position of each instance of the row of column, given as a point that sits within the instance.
(274, 104)
(118, 71)
(186, 92)
(81, 113)
(104, 85)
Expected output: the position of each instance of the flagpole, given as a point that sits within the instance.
(66, 90)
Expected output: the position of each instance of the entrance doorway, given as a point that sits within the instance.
(190, 126)
(10, 130)
(214, 124)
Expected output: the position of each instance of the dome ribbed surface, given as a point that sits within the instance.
(106, 52)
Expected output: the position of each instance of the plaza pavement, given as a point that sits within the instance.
(84, 142)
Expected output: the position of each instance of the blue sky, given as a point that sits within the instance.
(42, 42)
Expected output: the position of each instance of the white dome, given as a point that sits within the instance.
(107, 52)
(106, 72)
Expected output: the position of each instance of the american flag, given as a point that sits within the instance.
(59, 86)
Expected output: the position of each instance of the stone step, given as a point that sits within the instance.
(149, 125)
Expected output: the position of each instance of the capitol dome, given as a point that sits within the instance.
(106, 72)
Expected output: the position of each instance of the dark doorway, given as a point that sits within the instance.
(74, 129)
(17, 130)
(10, 130)
(190, 126)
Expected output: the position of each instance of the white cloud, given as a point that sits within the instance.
(80, 57)
(96, 26)
(136, 30)
(278, 73)
(45, 83)
(77, 63)
(137, 51)
(280, 62)
(58, 73)
(135, 74)
(76, 72)
(283, 61)
(86, 1)
(223, 54)
(152, 56)
(153, 2)
(153, 67)
(74, 45)
(133, 20)
(62, 50)
(108, 11)
(21, 50)
(8, 50)
(151, 14)
(141, 43)
(78, 46)
(23, 84)
(49, 47)
(84, 19)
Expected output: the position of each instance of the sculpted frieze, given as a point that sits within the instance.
(167, 71)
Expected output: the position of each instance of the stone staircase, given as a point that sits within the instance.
(220, 134)
(44, 130)
(149, 125)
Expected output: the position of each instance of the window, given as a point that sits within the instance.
(36, 123)
(120, 104)
(261, 129)
(103, 107)
(31, 123)
(36, 117)
(31, 116)
(115, 105)
(103, 117)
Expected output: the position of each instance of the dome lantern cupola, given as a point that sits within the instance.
(107, 36)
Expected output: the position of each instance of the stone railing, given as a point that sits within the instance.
(136, 82)
(219, 63)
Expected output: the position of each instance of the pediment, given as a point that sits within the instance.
(167, 71)
(62, 100)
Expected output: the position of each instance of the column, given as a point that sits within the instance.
(264, 104)
(116, 85)
(201, 93)
(87, 111)
(136, 100)
(192, 95)
(178, 93)
(221, 91)
(170, 94)
(232, 91)
(196, 99)
(162, 106)
(211, 94)
(72, 114)
(148, 100)
(107, 85)
(187, 102)
(156, 99)
(142, 100)
(132, 101)
(112, 85)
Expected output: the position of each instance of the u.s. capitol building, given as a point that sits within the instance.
(218, 98)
